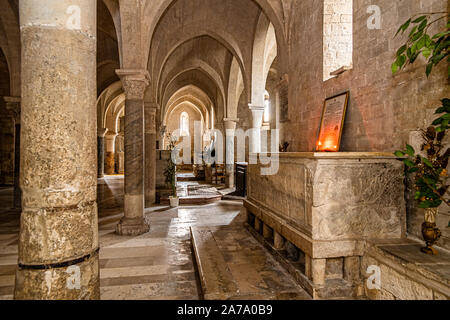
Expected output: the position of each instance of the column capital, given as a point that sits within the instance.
(110, 134)
(134, 82)
(13, 107)
(101, 132)
(230, 124)
(256, 107)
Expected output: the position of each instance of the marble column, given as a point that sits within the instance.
(110, 146)
(257, 121)
(58, 241)
(120, 148)
(13, 106)
(230, 130)
(134, 83)
(101, 152)
(150, 153)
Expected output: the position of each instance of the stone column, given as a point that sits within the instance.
(110, 146)
(120, 148)
(257, 121)
(58, 242)
(134, 84)
(230, 129)
(101, 152)
(13, 106)
(150, 154)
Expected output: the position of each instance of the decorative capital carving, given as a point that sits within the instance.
(256, 108)
(134, 82)
(230, 124)
(13, 106)
(101, 132)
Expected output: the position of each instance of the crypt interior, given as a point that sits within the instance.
(95, 93)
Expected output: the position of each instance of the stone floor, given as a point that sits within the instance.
(156, 265)
(232, 265)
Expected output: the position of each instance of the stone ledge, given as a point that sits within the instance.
(407, 273)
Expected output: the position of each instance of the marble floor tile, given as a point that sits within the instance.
(159, 264)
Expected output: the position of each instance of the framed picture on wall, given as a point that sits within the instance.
(332, 123)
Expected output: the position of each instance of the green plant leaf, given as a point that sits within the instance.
(410, 150)
(399, 154)
(429, 69)
(401, 50)
(413, 30)
(425, 204)
(446, 102)
(394, 68)
(427, 162)
(426, 53)
(400, 60)
(422, 25)
(403, 27)
(419, 19)
(409, 163)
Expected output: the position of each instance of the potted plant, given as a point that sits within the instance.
(430, 166)
(171, 174)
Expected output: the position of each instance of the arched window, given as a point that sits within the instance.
(337, 37)
(184, 124)
(266, 107)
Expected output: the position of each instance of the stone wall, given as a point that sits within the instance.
(337, 35)
(6, 150)
(383, 108)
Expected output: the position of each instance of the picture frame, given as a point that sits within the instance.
(332, 123)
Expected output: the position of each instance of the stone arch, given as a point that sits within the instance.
(235, 89)
(195, 64)
(273, 9)
(264, 53)
(188, 34)
(10, 43)
(104, 101)
(193, 94)
(199, 79)
(113, 7)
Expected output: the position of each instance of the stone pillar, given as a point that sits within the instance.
(258, 225)
(120, 147)
(278, 240)
(13, 106)
(257, 121)
(267, 232)
(208, 173)
(58, 242)
(134, 84)
(150, 154)
(110, 147)
(101, 152)
(318, 268)
(230, 129)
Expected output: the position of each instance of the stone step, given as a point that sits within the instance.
(233, 265)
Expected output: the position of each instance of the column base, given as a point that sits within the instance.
(80, 281)
(132, 227)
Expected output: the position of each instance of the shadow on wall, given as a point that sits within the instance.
(354, 133)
